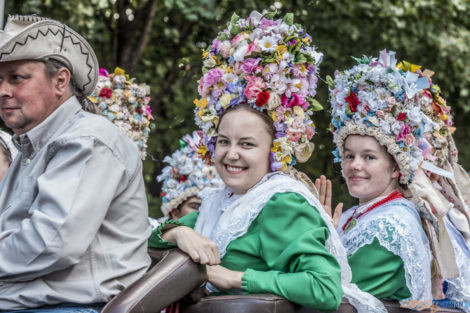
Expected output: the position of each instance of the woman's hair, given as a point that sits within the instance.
(52, 67)
(268, 121)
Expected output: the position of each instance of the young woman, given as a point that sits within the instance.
(383, 138)
(265, 232)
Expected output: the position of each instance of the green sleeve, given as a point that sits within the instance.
(156, 241)
(292, 243)
(382, 275)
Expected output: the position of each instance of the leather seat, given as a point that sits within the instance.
(174, 275)
(254, 303)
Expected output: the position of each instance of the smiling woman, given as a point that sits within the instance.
(387, 131)
(265, 232)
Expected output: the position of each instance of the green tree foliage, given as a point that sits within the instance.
(160, 41)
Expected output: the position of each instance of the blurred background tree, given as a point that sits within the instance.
(159, 42)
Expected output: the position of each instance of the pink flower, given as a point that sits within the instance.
(224, 48)
(104, 72)
(299, 71)
(309, 131)
(213, 77)
(215, 44)
(409, 140)
(254, 86)
(405, 130)
(293, 101)
(237, 39)
(249, 65)
(149, 112)
(380, 114)
(253, 47)
(293, 136)
(202, 88)
(266, 23)
(237, 68)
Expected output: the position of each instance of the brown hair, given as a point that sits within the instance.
(268, 121)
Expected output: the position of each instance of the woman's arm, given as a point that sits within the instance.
(180, 233)
(292, 243)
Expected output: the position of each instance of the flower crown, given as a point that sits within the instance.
(126, 104)
(272, 66)
(396, 104)
(186, 174)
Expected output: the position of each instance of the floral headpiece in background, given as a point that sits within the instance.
(271, 65)
(186, 174)
(126, 104)
(396, 104)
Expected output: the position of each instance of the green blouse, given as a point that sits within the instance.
(283, 253)
(382, 275)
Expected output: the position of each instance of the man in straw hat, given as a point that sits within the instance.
(73, 212)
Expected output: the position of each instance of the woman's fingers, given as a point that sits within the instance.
(337, 214)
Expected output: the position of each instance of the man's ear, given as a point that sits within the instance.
(61, 82)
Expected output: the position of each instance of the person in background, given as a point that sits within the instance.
(7, 152)
(185, 176)
(73, 219)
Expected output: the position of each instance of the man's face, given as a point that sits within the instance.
(27, 95)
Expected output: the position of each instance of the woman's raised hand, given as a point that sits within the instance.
(324, 188)
(201, 249)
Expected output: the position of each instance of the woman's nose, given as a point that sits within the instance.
(232, 153)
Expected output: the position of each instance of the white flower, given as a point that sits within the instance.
(240, 53)
(268, 44)
(209, 63)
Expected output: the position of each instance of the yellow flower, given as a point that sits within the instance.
(202, 150)
(407, 66)
(205, 54)
(201, 103)
(306, 40)
(276, 147)
(281, 49)
(119, 71)
(93, 99)
(225, 100)
(287, 159)
(273, 116)
(200, 112)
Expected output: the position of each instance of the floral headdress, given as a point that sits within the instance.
(394, 103)
(126, 104)
(186, 174)
(271, 65)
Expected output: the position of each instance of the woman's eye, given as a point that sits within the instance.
(222, 141)
(247, 144)
(348, 156)
(370, 157)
